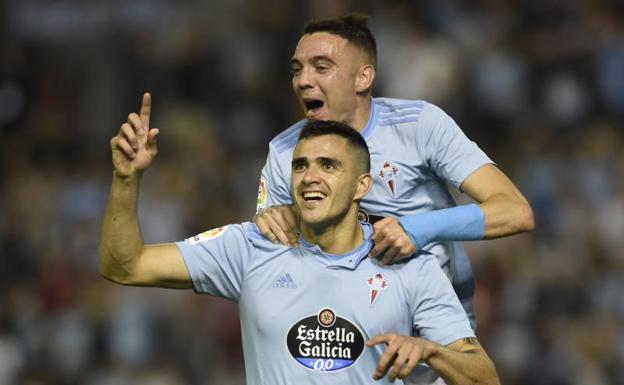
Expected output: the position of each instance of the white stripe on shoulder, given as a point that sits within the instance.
(398, 111)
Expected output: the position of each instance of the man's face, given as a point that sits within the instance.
(324, 71)
(324, 179)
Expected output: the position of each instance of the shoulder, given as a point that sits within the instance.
(259, 241)
(287, 139)
(396, 111)
(246, 232)
(391, 109)
(406, 116)
(218, 234)
(395, 104)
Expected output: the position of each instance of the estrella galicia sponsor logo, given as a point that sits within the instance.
(325, 342)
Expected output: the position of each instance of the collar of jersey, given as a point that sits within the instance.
(349, 260)
(372, 118)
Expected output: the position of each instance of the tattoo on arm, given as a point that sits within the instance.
(469, 345)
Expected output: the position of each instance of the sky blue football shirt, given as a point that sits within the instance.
(306, 315)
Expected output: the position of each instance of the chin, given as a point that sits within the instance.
(313, 220)
(320, 116)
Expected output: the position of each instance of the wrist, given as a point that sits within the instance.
(127, 178)
(126, 184)
(431, 350)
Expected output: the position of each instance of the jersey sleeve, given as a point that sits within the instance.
(446, 148)
(438, 315)
(274, 186)
(216, 260)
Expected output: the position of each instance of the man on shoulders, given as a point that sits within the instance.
(416, 149)
(317, 312)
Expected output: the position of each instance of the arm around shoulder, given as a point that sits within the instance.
(506, 210)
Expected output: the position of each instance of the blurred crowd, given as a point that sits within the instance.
(539, 84)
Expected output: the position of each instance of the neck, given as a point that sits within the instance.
(337, 237)
(359, 120)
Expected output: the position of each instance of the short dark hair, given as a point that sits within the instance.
(316, 128)
(352, 27)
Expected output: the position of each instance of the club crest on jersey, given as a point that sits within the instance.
(206, 235)
(377, 283)
(325, 342)
(388, 174)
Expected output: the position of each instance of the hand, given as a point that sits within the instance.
(402, 354)
(134, 147)
(278, 224)
(391, 241)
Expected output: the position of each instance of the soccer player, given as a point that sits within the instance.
(318, 312)
(416, 150)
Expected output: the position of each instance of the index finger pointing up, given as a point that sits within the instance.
(146, 110)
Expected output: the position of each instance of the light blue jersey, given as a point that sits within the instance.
(306, 315)
(416, 149)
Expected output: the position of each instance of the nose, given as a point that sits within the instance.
(310, 175)
(304, 79)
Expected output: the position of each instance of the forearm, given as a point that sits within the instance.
(506, 210)
(121, 242)
(505, 215)
(466, 363)
(498, 216)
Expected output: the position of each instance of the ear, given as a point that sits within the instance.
(365, 78)
(364, 185)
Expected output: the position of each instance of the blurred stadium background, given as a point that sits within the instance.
(539, 84)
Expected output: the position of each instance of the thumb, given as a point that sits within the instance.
(151, 144)
(377, 226)
(152, 134)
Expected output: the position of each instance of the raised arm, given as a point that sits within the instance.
(463, 362)
(124, 258)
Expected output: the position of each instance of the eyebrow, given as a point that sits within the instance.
(320, 159)
(299, 161)
(332, 161)
(314, 59)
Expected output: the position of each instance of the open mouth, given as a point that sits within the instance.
(313, 196)
(313, 105)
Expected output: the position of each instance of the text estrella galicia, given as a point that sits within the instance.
(325, 341)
